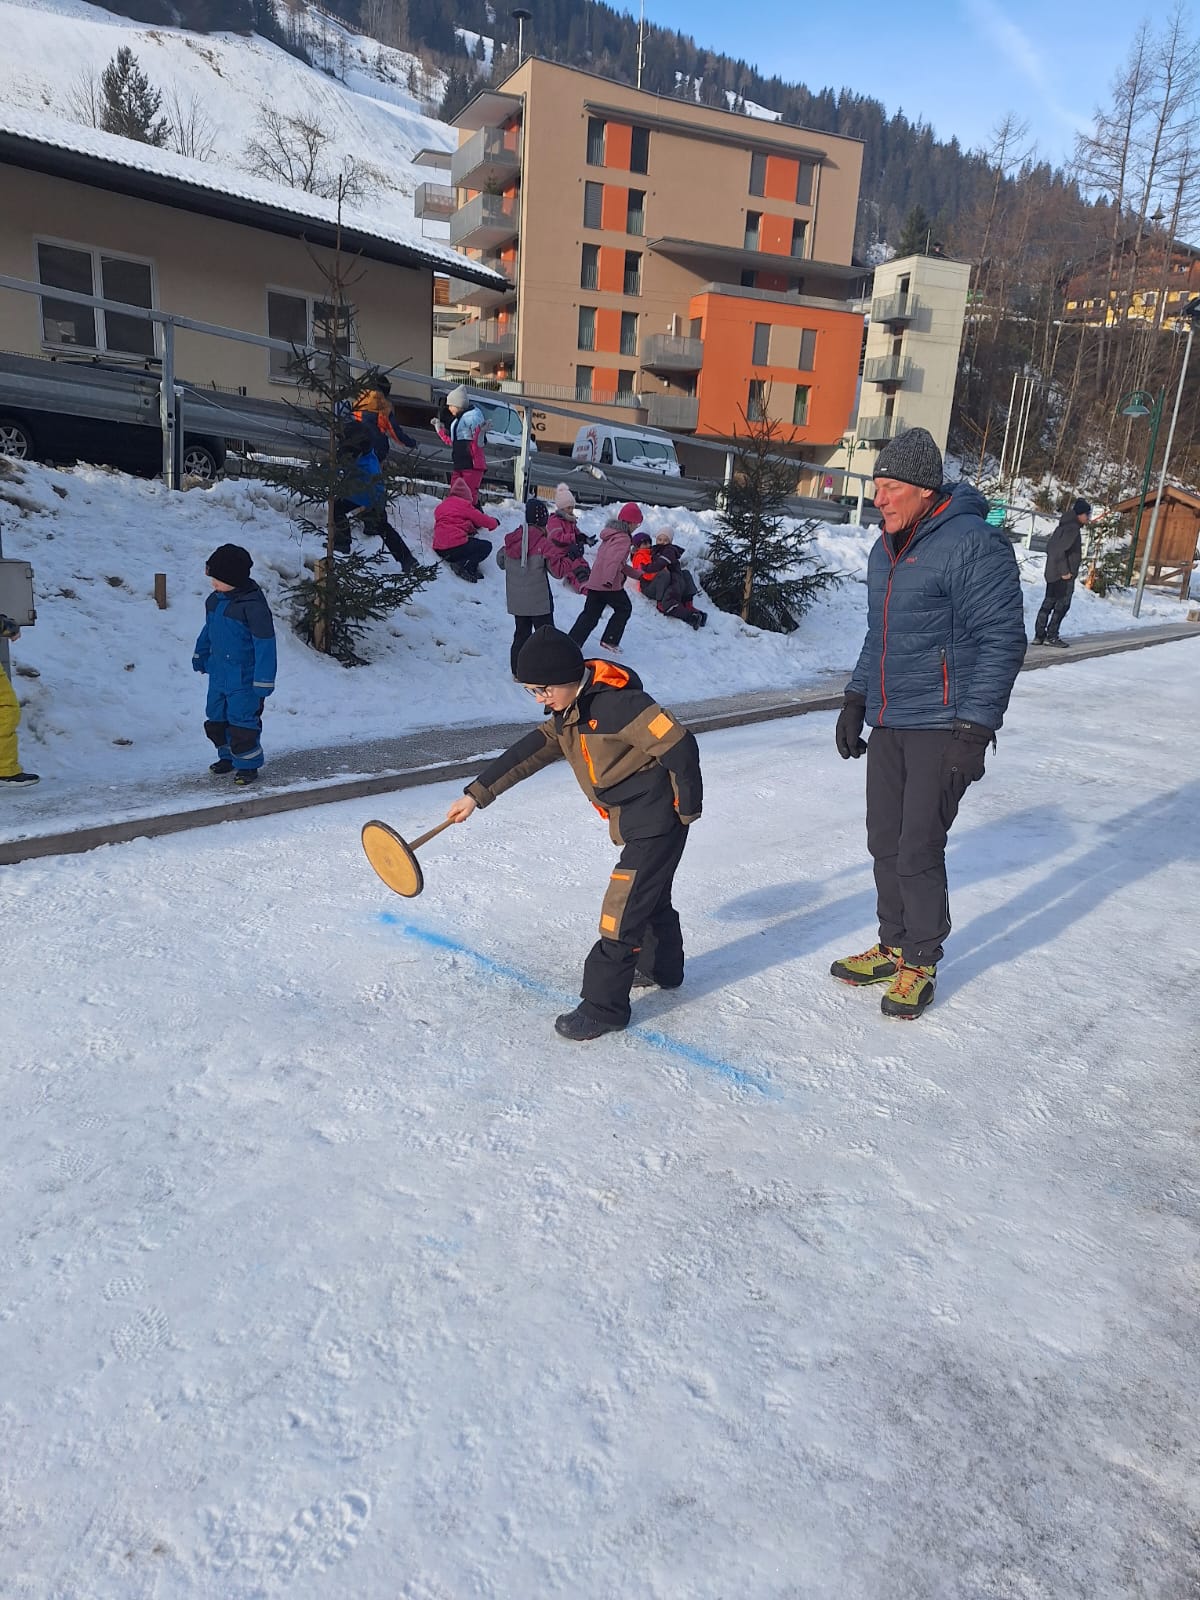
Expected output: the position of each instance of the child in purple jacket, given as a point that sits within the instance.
(605, 587)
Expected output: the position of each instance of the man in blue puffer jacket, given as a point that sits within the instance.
(945, 641)
(236, 648)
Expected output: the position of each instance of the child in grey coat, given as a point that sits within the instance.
(522, 558)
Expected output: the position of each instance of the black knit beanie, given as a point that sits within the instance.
(537, 513)
(1081, 508)
(230, 564)
(549, 657)
(911, 457)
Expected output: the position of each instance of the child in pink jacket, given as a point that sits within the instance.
(606, 585)
(455, 538)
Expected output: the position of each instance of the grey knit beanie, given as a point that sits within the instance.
(911, 457)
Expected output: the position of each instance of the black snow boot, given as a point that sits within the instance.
(221, 767)
(243, 780)
(1059, 644)
(580, 1024)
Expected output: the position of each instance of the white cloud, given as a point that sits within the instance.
(1023, 54)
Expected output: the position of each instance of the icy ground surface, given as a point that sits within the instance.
(327, 1270)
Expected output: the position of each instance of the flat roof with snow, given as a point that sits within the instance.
(101, 160)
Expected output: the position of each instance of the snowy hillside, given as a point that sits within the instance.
(443, 659)
(370, 113)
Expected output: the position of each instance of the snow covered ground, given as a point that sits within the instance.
(363, 101)
(116, 700)
(327, 1269)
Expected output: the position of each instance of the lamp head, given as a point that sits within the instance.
(1137, 406)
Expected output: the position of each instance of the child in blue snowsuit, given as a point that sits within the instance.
(236, 648)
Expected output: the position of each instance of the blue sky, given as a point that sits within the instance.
(957, 64)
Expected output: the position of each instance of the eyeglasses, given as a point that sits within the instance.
(539, 691)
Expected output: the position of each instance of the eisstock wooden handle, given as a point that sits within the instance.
(432, 834)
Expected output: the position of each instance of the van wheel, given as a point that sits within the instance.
(200, 462)
(15, 439)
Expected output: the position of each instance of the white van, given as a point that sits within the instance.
(601, 444)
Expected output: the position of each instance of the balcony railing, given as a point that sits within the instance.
(894, 308)
(434, 200)
(489, 157)
(485, 222)
(633, 283)
(465, 293)
(887, 369)
(877, 430)
(484, 340)
(671, 352)
(568, 393)
(676, 412)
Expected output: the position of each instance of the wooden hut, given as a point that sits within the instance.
(1175, 537)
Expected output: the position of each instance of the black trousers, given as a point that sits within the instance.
(466, 557)
(639, 927)
(374, 521)
(914, 788)
(1055, 606)
(525, 626)
(593, 610)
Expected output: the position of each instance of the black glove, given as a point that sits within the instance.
(848, 734)
(965, 757)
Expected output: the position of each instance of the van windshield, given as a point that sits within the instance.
(630, 450)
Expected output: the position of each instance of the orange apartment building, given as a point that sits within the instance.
(669, 264)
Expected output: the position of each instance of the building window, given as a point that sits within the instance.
(110, 278)
(808, 350)
(587, 328)
(758, 173)
(639, 151)
(756, 405)
(589, 267)
(748, 278)
(761, 355)
(306, 323)
(593, 204)
(799, 238)
(633, 272)
(635, 214)
(800, 406)
(583, 383)
(804, 183)
(629, 326)
(625, 384)
(753, 227)
(595, 141)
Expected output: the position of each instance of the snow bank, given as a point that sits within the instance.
(116, 698)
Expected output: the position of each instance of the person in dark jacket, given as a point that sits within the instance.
(1064, 554)
(236, 650)
(641, 770)
(363, 487)
(374, 408)
(523, 559)
(670, 585)
(945, 641)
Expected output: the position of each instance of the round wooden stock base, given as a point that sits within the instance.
(394, 859)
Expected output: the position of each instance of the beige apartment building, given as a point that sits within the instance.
(667, 264)
(95, 214)
(910, 356)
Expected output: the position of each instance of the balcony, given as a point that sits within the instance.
(488, 159)
(878, 430)
(484, 342)
(677, 413)
(893, 370)
(435, 201)
(464, 293)
(895, 309)
(670, 352)
(484, 223)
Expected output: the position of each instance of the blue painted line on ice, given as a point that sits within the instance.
(651, 1036)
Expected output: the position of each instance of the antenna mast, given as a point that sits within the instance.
(641, 40)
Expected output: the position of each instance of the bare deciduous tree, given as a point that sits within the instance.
(190, 129)
(84, 99)
(296, 151)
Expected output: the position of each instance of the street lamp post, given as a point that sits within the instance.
(1191, 313)
(521, 16)
(1141, 404)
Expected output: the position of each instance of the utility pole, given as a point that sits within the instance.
(641, 41)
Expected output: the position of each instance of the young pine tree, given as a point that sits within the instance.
(129, 103)
(333, 606)
(761, 565)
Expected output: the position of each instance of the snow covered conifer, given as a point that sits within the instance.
(129, 103)
(760, 561)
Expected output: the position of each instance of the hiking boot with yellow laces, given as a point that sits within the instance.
(879, 964)
(909, 992)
